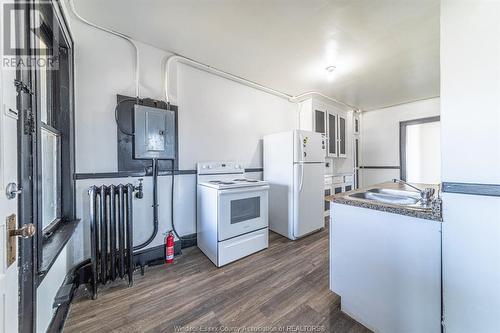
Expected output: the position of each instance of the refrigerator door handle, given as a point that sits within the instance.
(301, 183)
(301, 145)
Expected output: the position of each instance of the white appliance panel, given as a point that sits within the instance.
(278, 171)
(309, 147)
(292, 213)
(241, 211)
(221, 168)
(232, 219)
(206, 224)
(242, 246)
(308, 198)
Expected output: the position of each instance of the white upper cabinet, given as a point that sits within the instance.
(317, 116)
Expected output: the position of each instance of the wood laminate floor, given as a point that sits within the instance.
(282, 286)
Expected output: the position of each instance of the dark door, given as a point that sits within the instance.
(319, 121)
(332, 134)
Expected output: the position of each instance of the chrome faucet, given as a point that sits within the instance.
(425, 195)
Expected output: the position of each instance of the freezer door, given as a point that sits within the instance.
(308, 197)
(309, 147)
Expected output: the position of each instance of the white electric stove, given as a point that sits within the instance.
(232, 212)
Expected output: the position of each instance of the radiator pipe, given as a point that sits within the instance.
(121, 231)
(104, 235)
(130, 241)
(112, 231)
(155, 208)
(94, 237)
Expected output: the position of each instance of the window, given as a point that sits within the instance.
(45, 144)
(50, 133)
(45, 78)
(53, 135)
(51, 177)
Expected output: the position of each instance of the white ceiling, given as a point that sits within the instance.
(386, 51)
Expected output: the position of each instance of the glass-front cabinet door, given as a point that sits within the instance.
(342, 147)
(319, 121)
(357, 128)
(332, 135)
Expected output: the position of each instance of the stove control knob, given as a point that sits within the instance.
(209, 166)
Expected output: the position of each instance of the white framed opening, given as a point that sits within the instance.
(421, 151)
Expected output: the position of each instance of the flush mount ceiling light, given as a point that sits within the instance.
(330, 69)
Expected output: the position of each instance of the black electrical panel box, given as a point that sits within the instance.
(125, 115)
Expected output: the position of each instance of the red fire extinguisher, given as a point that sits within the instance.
(169, 248)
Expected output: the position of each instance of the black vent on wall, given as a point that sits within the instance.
(125, 118)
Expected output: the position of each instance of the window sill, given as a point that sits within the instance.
(52, 246)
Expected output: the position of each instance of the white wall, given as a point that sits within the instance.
(218, 120)
(47, 290)
(221, 119)
(470, 69)
(380, 137)
(470, 125)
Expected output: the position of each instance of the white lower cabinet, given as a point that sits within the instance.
(336, 185)
(387, 269)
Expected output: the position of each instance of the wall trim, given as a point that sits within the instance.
(402, 103)
(254, 170)
(379, 167)
(491, 190)
(125, 174)
(77, 275)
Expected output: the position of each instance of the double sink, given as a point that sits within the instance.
(392, 197)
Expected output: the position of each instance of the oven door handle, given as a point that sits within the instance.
(244, 189)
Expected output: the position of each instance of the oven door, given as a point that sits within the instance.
(242, 210)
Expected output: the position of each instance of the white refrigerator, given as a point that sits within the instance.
(294, 167)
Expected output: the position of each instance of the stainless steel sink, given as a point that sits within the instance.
(393, 197)
(402, 193)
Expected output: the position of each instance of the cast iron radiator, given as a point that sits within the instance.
(111, 215)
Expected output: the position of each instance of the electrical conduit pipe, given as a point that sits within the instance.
(201, 66)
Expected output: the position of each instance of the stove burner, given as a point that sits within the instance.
(246, 180)
(220, 182)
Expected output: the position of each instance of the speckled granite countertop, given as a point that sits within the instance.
(433, 212)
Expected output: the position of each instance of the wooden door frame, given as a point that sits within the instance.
(402, 140)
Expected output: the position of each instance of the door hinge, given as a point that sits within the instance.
(29, 122)
(22, 87)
